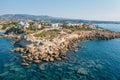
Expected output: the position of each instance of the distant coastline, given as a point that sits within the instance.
(53, 19)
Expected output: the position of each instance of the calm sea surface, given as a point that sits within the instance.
(97, 60)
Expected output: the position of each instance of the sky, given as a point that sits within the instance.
(75, 9)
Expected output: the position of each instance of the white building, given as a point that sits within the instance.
(26, 25)
(70, 24)
(92, 26)
(22, 24)
(39, 26)
(55, 25)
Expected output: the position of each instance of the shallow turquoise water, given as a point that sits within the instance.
(97, 60)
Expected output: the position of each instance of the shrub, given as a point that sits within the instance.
(48, 34)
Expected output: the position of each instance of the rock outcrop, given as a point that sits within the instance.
(38, 50)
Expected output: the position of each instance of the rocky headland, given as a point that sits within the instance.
(36, 49)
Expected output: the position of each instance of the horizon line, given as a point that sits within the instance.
(61, 17)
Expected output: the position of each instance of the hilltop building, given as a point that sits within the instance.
(22, 24)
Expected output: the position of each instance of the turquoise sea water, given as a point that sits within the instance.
(97, 60)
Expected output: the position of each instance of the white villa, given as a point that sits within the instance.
(92, 26)
(55, 24)
(22, 24)
(70, 24)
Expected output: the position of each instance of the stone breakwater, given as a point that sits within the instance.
(39, 49)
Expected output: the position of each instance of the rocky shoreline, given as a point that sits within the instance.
(41, 49)
(2, 30)
(36, 50)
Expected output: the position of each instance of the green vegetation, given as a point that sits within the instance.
(73, 28)
(65, 25)
(31, 23)
(31, 28)
(14, 23)
(8, 25)
(14, 30)
(42, 27)
(4, 27)
(48, 34)
(86, 29)
(76, 28)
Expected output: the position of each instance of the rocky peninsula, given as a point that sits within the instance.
(50, 45)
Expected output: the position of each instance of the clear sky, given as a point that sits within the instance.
(77, 9)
